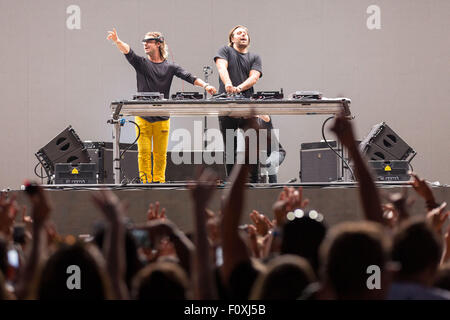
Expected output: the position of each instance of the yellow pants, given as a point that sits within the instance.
(159, 132)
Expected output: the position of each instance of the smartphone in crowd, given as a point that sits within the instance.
(19, 234)
(13, 258)
(142, 238)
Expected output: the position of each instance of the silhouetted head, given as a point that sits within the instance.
(243, 277)
(161, 281)
(418, 249)
(74, 272)
(3, 256)
(349, 249)
(302, 237)
(285, 278)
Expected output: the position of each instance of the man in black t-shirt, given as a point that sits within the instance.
(154, 74)
(239, 70)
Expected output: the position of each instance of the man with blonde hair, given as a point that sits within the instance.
(154, 74)
(239, 70)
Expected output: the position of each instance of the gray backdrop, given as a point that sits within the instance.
(52, 76)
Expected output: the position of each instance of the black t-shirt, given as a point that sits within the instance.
(156, 77)
(239, 66)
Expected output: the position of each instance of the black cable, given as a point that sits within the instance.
(134, 142)
(42, 177)
(329, 146)
(126, 149)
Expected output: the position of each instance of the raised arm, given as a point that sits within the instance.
(424, 190)
(234, 248)
(367, 189)
(122, 46)
(41, 209)
(114, 242)
(204, 281)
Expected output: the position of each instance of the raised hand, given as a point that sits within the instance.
(204, 187)
(153, 212)
(390, 215)
(424, 190)
(41, 207)
(288, 200)
(8, 211)
(213, 228)
(112, 35)
(253, 240)
(446, 253)
(343, 130)
(401, 203)
(109, 204)
(261, 222)
(437, 217)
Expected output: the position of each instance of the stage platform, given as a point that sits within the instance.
(74, 212)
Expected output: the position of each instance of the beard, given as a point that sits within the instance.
(241, 46)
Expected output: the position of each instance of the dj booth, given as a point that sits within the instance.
(226, 106)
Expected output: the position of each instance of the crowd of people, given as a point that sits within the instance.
(387, 255)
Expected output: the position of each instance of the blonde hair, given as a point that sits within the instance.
(230, 34)
(163, 49)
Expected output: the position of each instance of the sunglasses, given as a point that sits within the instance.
(159, 39)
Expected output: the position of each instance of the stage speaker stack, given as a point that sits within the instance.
(70, 173)
(388, 154)
(65, 148)
(101, 154)
(382, 143)
(390, 170)
(318, 163)
(176, 172)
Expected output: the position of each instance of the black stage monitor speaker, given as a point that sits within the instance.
(101, 153)
(66, 147)
(394, 170)
(318, 163)
(81, 173)
(382, 143)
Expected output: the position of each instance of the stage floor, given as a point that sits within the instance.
(74, 212)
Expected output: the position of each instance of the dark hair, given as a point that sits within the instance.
(4, 295)
(443, 277)
(416, 246)
(95, 285)
(242, 279)
(3, 255)
(346, 253)
(285, 278)
(302, 237)
(160, 281)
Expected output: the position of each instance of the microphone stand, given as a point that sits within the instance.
(206, 71)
